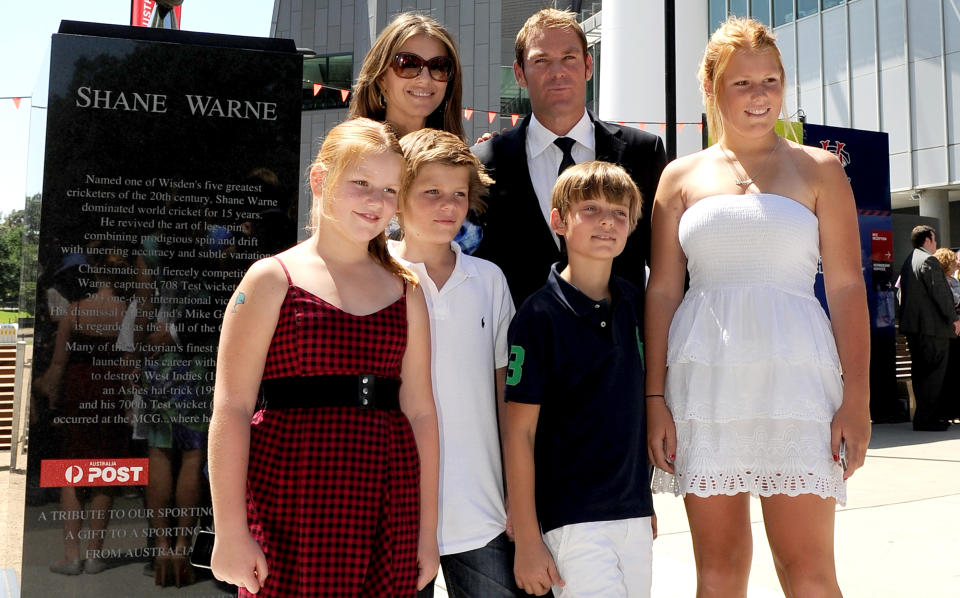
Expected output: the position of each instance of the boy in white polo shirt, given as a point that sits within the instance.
(470, 310)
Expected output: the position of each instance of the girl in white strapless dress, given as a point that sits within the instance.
(744, 389)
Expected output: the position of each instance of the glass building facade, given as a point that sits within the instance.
(772, 13)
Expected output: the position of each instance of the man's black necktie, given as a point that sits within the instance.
(565, 144)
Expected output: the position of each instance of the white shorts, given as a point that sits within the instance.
(608, 559)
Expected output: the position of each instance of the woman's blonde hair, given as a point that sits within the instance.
(344, 146)
(736, 34)
(947, 259)
(366, 100)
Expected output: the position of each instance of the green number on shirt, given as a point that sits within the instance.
(515, 365)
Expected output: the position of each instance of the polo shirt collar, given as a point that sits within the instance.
(539, 138)
(574, 298)
(462, 269)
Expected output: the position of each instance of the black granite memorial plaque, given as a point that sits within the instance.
(171, 165)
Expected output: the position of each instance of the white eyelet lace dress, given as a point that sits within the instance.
(753, 375)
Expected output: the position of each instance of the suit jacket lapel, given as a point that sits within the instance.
(518, 184)
(609, 145)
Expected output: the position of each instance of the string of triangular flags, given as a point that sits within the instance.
(492, 115)
(16, 100)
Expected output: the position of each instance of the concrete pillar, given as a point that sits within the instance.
(631, 63)
(935, 203)
(631, 66)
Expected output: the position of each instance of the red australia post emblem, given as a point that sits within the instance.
(55, 473)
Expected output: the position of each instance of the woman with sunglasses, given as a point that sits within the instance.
(411, 78)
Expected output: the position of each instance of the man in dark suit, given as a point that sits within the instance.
(552, 63)
(929, 321)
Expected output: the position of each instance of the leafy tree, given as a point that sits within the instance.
(31, 243)
(11, 257)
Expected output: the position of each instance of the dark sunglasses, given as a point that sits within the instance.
(409, 66)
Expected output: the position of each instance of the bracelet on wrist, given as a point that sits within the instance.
(653, 395)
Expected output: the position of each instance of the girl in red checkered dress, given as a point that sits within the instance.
(316, 487)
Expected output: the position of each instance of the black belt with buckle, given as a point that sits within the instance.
(365, 391)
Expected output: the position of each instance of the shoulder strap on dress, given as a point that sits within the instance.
(285, 271)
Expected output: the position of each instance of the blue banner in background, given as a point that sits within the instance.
(865, 157)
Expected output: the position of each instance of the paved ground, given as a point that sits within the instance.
(898, 536)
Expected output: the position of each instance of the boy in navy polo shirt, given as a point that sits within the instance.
(575, 439)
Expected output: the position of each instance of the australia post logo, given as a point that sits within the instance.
(837, 148)
(56, 473)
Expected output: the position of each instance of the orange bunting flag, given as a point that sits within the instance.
(514, 118)
(467, 113)
(663, 127)
(621, 123)
(316, 88)
(491, 116)
(700, 127)
(343, 94)
(680, 127)
(16, 102)
(642, 126)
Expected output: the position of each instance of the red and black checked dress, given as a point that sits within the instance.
(333, 492)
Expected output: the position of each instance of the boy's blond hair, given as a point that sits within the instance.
(432, 146)
(595, 180)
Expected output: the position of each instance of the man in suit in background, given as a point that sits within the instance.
(553, 64)
(929, 321)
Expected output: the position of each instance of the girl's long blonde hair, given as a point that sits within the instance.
(344, 146)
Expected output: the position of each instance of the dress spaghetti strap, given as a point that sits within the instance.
(285, 271)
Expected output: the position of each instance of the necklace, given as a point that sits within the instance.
(749, 179)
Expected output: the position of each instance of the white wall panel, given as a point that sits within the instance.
(929, 167)
(810, 102)
(835, 51)
(689, 140)
(864, 100)
(808, 53)
(900, 172)
(894, 114)
(863, 42)
(836, 104)
(953, 97)
(951, 17)
(954, 155)
(923, 18)
(892, 32)
(790, 104)
(926, 110)
(786, 37)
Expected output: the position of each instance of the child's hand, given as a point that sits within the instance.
(661, 434)
(428, 560)
(535, 569)
(238, 560)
